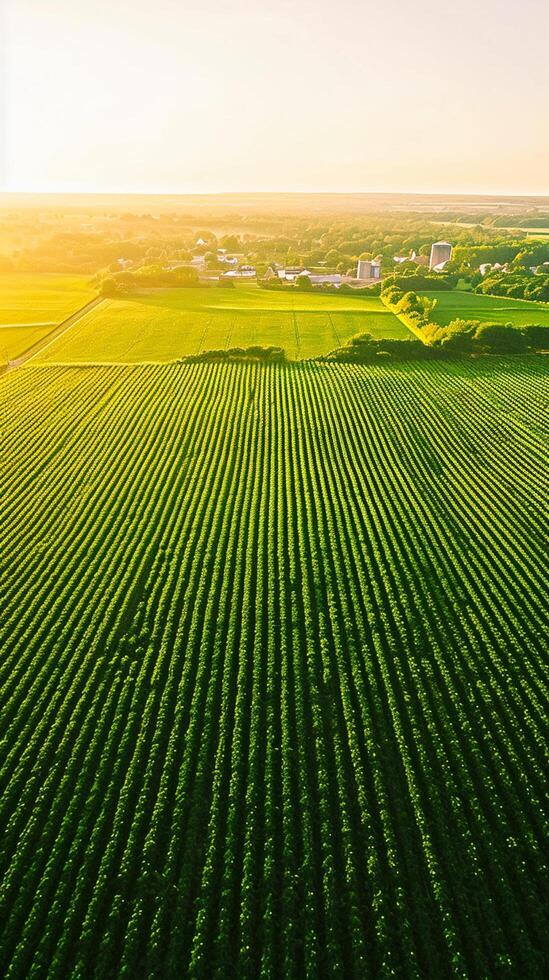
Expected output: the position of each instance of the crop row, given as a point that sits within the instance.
(272, 682)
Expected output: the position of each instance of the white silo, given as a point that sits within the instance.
(364, 269)
(440, 252)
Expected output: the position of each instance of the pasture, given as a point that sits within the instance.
(32, 304)
(167, 324)
(272, 670)
(495, 309)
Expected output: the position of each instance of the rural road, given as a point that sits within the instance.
(40, 345)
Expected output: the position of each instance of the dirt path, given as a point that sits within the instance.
(53, 335)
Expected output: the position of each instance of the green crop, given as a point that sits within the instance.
(272, 677)
(168, 324)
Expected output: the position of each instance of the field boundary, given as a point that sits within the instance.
(44, 342)
(404, 320)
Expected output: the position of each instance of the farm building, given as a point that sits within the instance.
(441, 252)
(368, 270)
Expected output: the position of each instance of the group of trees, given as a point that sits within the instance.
(414, 309)
(146, 277)
(458, 338)
(470, 336)
(364, 349)
(462, 336)
(521, 255)
(255, 353)
(304, 284)
(517, 285)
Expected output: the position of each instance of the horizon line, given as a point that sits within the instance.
(243, 193)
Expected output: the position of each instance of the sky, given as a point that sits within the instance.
(178, 96)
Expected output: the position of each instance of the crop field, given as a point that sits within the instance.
(272, 672)
(15, 340)
(496, 309)
(31, 305)
(167, 324)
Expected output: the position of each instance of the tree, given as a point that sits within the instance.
(230, 242)
(111, 287)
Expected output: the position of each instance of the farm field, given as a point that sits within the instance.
(272, 671)
(31, 305)
(16, 340)
(497, 309)
(168, 324)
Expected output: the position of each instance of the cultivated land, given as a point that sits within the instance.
(496, 309)
(31, 305)
(272, 670)
(164, 325)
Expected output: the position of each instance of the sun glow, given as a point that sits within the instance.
(218, 96)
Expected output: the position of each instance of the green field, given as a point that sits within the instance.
(168, 324)
(31, 304)
(470, 306)
(14, 341)
(272, 672)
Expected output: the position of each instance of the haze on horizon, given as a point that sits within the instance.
(220, 96)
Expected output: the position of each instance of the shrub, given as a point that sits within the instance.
(537, 336)
(500, 338)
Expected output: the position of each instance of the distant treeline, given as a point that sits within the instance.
(89, 240)
(420, 280)
(146, 277)
(154, 277)
(304, 285)
(516, 285)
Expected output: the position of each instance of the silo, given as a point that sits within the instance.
(440, 252)
(364, 269)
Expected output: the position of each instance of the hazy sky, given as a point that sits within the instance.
(236, 95)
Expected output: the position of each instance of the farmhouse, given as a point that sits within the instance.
(244, 272)
(317, 278)
(487, 267)
(291, 273)
(414, 257)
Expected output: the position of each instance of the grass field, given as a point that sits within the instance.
(464, 305)
(272, 670)
(30, 305)
(168, 324)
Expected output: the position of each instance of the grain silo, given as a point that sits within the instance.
(440, 252)
(364, 269)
